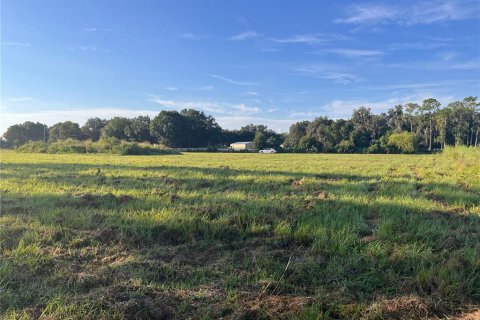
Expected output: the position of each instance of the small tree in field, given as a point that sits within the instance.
(404, 142)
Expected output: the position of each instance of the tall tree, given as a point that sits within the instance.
(411, 109)
(362, 124)
(429, 107)
(395, 118)
(442, 121)
(461, 118)
(65, 130)
(138, 129)
(18, 134)
(473, 104)
(116, 127)
(203, 130)
(92, 129)
(169, 128)
(267, 139)
(296, 132)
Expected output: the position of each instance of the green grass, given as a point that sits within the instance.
(239, 236)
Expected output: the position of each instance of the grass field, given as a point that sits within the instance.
(239, 236)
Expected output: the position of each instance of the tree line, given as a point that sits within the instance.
(404, 128)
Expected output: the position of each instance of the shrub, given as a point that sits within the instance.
(109, 145)
(346, 146)
(375, 148)
(67, 146)
(404, 142)
(33, 147)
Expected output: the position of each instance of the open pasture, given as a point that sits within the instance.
(239, 236)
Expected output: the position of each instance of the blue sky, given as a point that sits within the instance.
(272, 62)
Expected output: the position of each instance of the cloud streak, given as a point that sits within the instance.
(354, 53)
(16, 44)
(20, 99)
(423, 12)
(326, 73)
(247, 35)
(209, 106)
(310, 39)
(231, 81)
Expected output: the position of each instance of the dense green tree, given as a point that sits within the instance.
(267, 139)
(169, 128)
(321, 129)
(138, 129)
(362, 120)
(404, 142)
(65, 130)
(18, 134)
(203, 130)
(116, 127)
(396, 118)
(92, 129)
(296, 132)
(461, 118)
(260, 140)
(346, 146)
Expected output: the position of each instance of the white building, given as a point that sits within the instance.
(237, 146)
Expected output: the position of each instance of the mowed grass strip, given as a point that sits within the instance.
(235, 236)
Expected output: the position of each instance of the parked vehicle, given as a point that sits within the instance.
(269, 150)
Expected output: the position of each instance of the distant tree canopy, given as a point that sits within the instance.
(428, 127)
(116, 128)
(18, 134)
(405, 128)
(65, 130)
(92, 129)
(139, 129)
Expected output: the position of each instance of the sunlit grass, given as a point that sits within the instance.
(239, 235)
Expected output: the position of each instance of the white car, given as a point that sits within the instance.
(269, 150)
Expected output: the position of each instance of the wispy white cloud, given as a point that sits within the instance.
(244, 109)
(419, 85)
(326, 73)
(363, 13)
(191, 36)
(341, 78)
(423, 12)
(251, 93)
(20, 99)
(171, 88)
(247, 35)
(440, 65)
(209, 106)
(417, 45)
(467, 65)
(86, 48)
(90, 29)
(310, 39)
(206, 88)
(16, 44)
(235, 82)
(353, 53)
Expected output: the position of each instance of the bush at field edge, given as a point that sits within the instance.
(107, 145)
